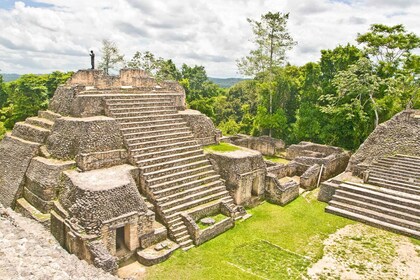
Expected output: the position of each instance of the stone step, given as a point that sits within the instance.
(183, 183)
(189, 194)
(183, 239)
(173, 156)
(120, 98)
(178, 229)
(394, 185)
(397, 166)
(372, 221)
(174, 220)
(137, 144)
(149, 120)
(148, 127)
(175, 169)
(379, 193)
(141, 138)
(394, 168)
(166, 181)
(180, 236)
(172, 163)
(153, 113)
(41, 122)
(182, 207)
(408, 157)
(49, 115)
(406, 182)
(338, 200)
(141, 104)
(140, 110)
(376, 201)
(138, 148)
(395, 172)
(165, 122)
(188, 246)
(402, 159)
(30, 132)
(387, 162)
(141, 155)
(139, 131)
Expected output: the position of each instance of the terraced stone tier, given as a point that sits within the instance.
(175, 173)
(391, 200)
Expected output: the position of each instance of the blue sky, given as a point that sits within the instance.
(41, 36)
(9, 4)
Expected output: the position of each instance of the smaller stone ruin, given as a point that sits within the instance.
(251, 179)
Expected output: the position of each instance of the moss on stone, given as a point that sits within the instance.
(222, 147)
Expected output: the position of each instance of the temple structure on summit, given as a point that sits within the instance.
(115, 170)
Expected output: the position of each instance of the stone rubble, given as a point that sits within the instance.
(29, 251)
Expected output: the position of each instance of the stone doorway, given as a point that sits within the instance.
(120, 239)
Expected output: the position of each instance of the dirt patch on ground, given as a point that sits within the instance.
(363, 252)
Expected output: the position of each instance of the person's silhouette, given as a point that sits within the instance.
(92, 59)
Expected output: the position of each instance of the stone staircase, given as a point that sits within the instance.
(390, 199)
(176, 175)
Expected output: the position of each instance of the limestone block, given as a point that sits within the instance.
(88, 106)
(101, 257)
(244, 172)
(202, 127)
(91, 161)
(62, 100)
(309, 179)
(72, 136)
(15, 156)
(278, 193)
(42, 176)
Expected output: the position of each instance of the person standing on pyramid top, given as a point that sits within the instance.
(92, 59)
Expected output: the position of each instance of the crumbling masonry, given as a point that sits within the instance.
(115, 168)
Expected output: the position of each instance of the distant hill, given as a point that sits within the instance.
(10, 77)
(225, 83)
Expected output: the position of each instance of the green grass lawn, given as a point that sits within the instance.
(276, 243)
(276, 159)
(222, 147)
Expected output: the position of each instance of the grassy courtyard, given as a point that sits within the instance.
(276, 243)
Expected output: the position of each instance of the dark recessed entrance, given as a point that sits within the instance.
(120, 242)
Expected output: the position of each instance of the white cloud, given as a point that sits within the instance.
(210, 33)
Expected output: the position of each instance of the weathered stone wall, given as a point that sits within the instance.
(202, 127)
(308, 149)
(266, 145)
(278, 193)
(399, 135)
(92, 161)
(62, 100)
(15, 157)
(72, 136)
(308, 180)
(127, 77)
(113, 191)
(244, 172)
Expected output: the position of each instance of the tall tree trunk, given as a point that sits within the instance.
(375, 110)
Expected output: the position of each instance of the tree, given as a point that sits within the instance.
(111, 56)
(388, 45)
(272, 41)
(3, 93)
(359, 84)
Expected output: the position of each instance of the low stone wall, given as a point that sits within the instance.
(308, 180)
(201, 126)
(98, 160)
(313, 150)
(278, 193)
(127, 77)
(399, 135)
(264, 144)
